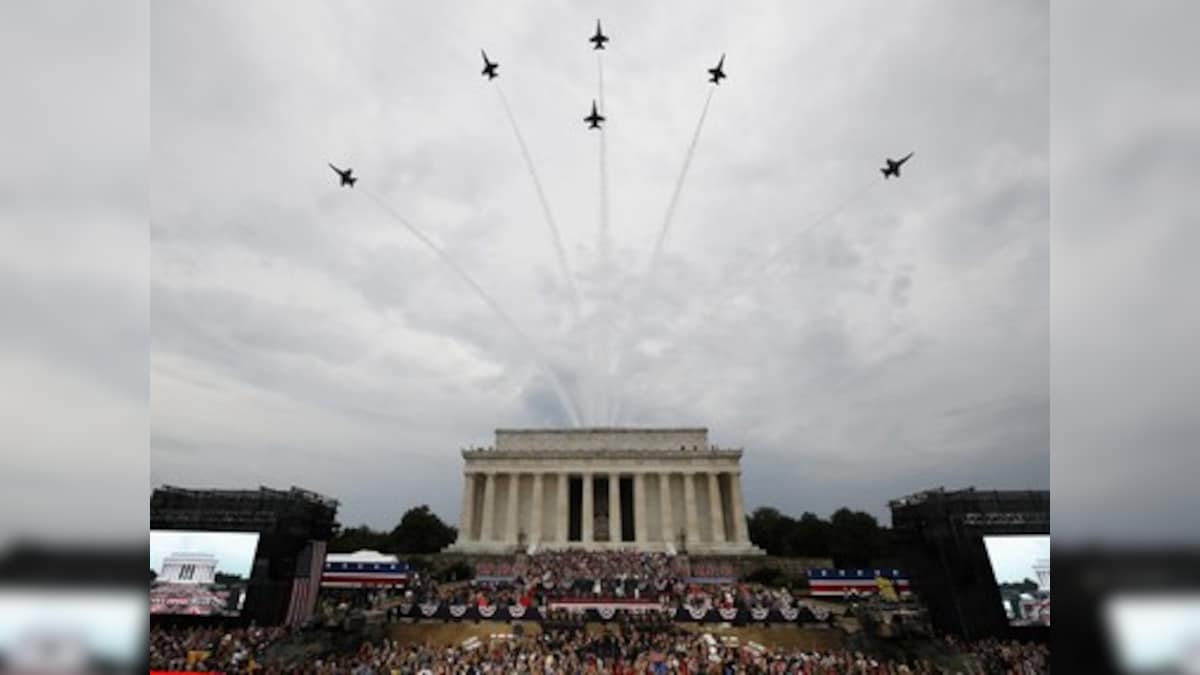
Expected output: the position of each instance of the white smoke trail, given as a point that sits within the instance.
(687, 161)
(564, 398)
(604, 248)
(604, 234)
(647, 277)
(559, 250)
(747, 283)
(758, 272)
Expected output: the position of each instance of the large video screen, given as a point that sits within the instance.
(200, 573)
(1021, 567)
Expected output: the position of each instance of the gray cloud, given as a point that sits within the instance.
(73, 270)
(301, 335)
(1125, 323)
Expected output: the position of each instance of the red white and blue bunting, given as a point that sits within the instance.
(600, 610)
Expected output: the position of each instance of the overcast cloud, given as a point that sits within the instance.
(73, 269)
(1127, 317)
(300, 335)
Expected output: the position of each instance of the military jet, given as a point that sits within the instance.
(595, 118)
(347, 179)
(489, 68)
(717, 73)
(893, 166)
(599, 38)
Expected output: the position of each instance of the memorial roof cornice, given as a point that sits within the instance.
(615, 453)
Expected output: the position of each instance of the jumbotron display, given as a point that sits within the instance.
(200, 573)
(1021, 568)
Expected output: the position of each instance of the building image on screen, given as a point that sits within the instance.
(200, 573)
(1021, 567)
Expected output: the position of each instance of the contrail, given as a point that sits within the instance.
(759, 271)
(568, 404)
(603, 243)
(687, 161)
(604, 249)
(647, 278)
(564, 267)
(748, 282)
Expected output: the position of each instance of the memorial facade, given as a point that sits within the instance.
(605, 488)
(189, 568)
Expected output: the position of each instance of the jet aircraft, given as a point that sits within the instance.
(599, 38)
(717, 73)
(893, 166)
(347, 179)
(595, 118)
(489, 68)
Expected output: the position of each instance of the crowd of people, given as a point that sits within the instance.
(712, 569)
(634, 644)
(206, 649)
(627, 649)
(545, 576)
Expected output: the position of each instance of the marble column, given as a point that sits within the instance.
(614, 509)
(739, 509)
(586, 509)
(466, 518)
(564, 508)
(715, 510)
(639, 508)
(514, 492)
(689, 510)
(535, 514)
(488, 531)
(664, 500)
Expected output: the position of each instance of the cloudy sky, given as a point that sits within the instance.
(301, 335)
(1126, 154)
(74, 264)
(1013, 556)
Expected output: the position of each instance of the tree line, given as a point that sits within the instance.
(420, 531)
(850, 538)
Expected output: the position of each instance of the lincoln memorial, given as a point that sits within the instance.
(605, 488)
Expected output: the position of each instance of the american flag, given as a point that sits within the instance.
(307, 583)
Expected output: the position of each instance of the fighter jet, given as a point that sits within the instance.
(893, 166)
(599, 38)
(489, 68)
(717, 73)
(347, 179)
(595, 118)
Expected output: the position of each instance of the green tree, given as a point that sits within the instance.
(810, 536)
(354, 539)
(771, 531)
(855, 538)
(421, 531)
